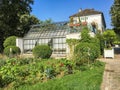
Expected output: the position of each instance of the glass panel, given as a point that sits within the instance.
(46, 41)
(55, 46)
(64, 40)
(34, 41)
(58, 33)
(30, 42)
(42, 41)
(55, 40)
(30, 46)
(60, 46)
(62, 33)
(25, 41)
(26, 47)
(60, 40)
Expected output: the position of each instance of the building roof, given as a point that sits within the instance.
(86, 12)
(59, 29)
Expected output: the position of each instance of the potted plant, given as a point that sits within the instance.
(109, 37)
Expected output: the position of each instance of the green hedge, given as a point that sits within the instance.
(14, 50)
(86, 52)
(10, 41)
(42, 51)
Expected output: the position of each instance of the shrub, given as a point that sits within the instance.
(85, 36)
(42, 51)
(109, 37)
(10, 41)
(14, 50)
(88, 49)
(102, 42)
(86, 52)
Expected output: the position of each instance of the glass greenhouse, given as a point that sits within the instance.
(53, 35)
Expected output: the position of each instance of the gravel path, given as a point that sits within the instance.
(111, 77)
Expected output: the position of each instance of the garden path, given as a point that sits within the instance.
(111, 77)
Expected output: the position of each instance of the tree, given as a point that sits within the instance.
(115, 16)
(109, 36)
(10, 13)
(26, 21)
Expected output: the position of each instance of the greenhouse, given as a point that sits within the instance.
(53, 35)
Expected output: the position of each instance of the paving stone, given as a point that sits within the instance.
(111, 76)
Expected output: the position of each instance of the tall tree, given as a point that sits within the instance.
(10, 13)
(115, 16)
(26, 21)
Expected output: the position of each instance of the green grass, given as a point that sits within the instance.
(86, 80)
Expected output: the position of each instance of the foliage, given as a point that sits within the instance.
(72, 41)
(12, 51)
(85, 36)
(26, 21)
(117, 40)
(109, 37)
(29, 71)
(21, 72)
(10, 41)
(88, 49)
(86, 53)
(102, 42)
(48, 24)
(10, 13)
(47, 21)
(88, 80)
(115, 16)
(42, 51)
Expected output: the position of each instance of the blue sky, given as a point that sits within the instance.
(60, 10)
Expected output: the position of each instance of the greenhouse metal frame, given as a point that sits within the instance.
(53, 35)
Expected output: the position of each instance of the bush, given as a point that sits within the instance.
(109, 37)
(88, 49)
(102, 42)
(14, 50)
(85, 36)
(86, 52)
(10, 41)
(42, 51)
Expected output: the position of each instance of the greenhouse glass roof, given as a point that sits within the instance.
(59, 29)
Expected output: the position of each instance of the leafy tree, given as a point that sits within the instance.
(115, 16)
(48, 21)
(109, 37)
(48, 24)
(10, 13)
(26, 21)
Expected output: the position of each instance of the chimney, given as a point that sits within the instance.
(80, 9)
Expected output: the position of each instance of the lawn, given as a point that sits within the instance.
(86, 80)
